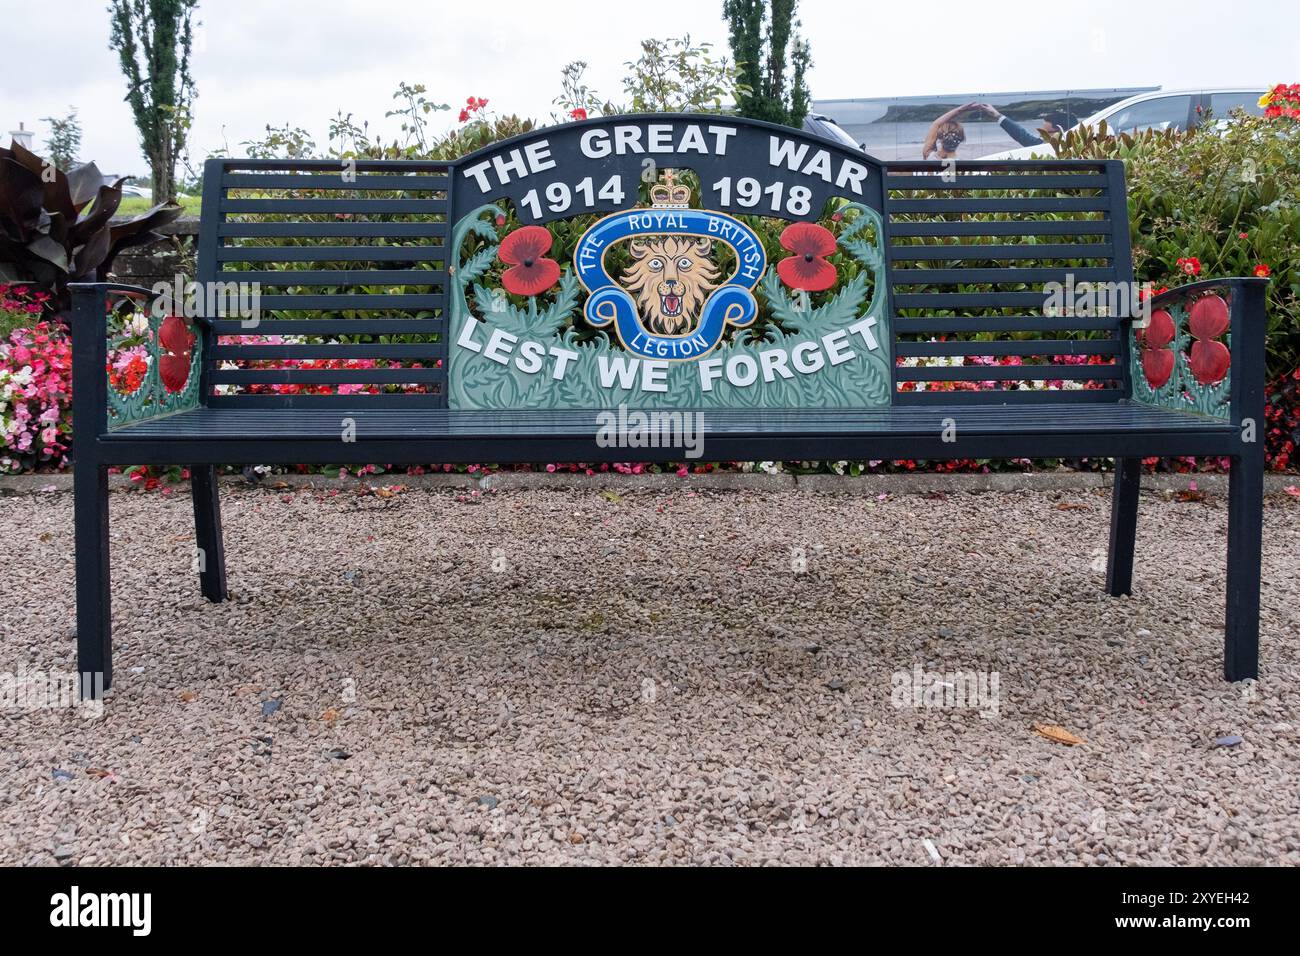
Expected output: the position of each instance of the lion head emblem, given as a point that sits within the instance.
(670, 277)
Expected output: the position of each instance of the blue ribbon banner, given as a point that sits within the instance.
(732, 303)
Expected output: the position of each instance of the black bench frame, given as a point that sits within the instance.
(1007, 424)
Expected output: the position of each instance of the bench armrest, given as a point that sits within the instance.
(94, 401)
(1239, 396)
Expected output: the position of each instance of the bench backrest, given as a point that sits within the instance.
(406, 269)
(353, 253)
(974, 251)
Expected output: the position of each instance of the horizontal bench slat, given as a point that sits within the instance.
(278, 405)
(1009, 166)
(1007, 373)
(422, 253)
(996, 276)
(997, 181)
(356, 206)
(943, 324)
(1004, 227)
(383, 326)
(328, 376)
(959, 300)
(338, 277)
(993, 397)
(432, 183)
(336, 350)
(1018, 347)
(332, 165)
(329, 230)
(363, 300)
(1017, 250)
(1008, 204)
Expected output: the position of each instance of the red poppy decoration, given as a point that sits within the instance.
(1207, 320)
(524, 250)
(1157, 357)
(177, 342)
(807, 269)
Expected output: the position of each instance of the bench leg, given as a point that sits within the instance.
(1245, 531)
(1123, 526)
(94, 612)
(211, 553)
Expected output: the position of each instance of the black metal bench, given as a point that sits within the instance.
(388, 262)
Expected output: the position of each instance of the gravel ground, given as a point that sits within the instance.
(585, 677)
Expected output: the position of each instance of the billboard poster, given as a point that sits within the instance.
(964, 125)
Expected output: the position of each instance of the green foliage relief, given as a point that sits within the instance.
(1182, 392)
(859, 381)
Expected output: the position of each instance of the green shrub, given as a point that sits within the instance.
(1226, 196)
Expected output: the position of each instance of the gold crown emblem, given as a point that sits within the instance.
(670, 194)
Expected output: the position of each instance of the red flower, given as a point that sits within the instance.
(1207, 320)
(1263, 271)
(174, 364)
(464, 115)
(1190, 265)
(1157, 358)
(807, 269)
(578, 113)
(524, 250)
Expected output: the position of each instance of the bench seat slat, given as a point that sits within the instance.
(409, 422)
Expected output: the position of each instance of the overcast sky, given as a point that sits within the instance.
(301, 61)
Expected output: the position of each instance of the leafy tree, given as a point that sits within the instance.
(674, 76)
(153, 40)
(766, 46)
(64, 141)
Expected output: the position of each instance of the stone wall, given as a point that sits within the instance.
(160, 261)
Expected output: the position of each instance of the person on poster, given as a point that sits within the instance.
(1054, 124)
(945, 134)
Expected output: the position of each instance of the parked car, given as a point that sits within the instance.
(1160, 110)
(821, 125)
